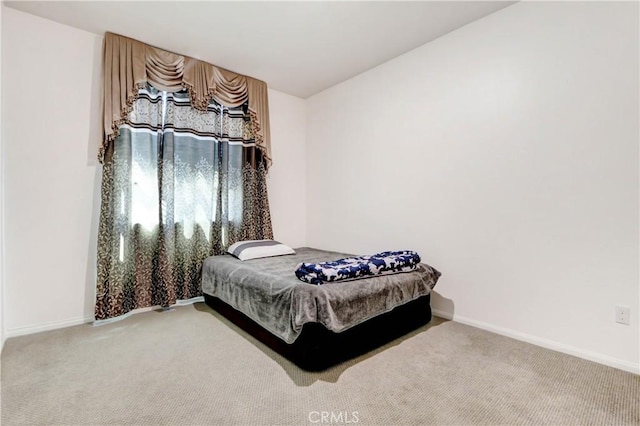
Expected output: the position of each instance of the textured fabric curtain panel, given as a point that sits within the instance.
(178, 184)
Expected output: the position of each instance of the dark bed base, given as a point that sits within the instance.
(318, 348)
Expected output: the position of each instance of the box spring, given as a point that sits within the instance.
(318, 348)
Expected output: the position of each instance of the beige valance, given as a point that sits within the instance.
(129, 65)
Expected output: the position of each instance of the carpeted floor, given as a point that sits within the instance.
(190, 366)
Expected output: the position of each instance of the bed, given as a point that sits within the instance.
(316, 326)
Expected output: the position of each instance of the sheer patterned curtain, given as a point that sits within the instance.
(178, 184)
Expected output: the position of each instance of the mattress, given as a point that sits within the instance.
(268, 292)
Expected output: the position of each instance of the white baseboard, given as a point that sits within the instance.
(53, 325)
(183, 302)
(548, 344)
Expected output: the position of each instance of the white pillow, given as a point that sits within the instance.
(255, 249)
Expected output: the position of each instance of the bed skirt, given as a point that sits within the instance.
(318, 348)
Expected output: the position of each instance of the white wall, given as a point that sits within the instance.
(51, 88)
(51, 80)
(2, 332)
(287, 177)
(506, 154)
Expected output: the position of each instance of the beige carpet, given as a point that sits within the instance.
(190, 366)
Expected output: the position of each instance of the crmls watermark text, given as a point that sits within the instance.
(333, 417)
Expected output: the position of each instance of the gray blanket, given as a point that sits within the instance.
(267, 291)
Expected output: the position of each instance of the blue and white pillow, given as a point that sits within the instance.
(351, 268)
(256, 249)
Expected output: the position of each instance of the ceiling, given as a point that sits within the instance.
(299, 48)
